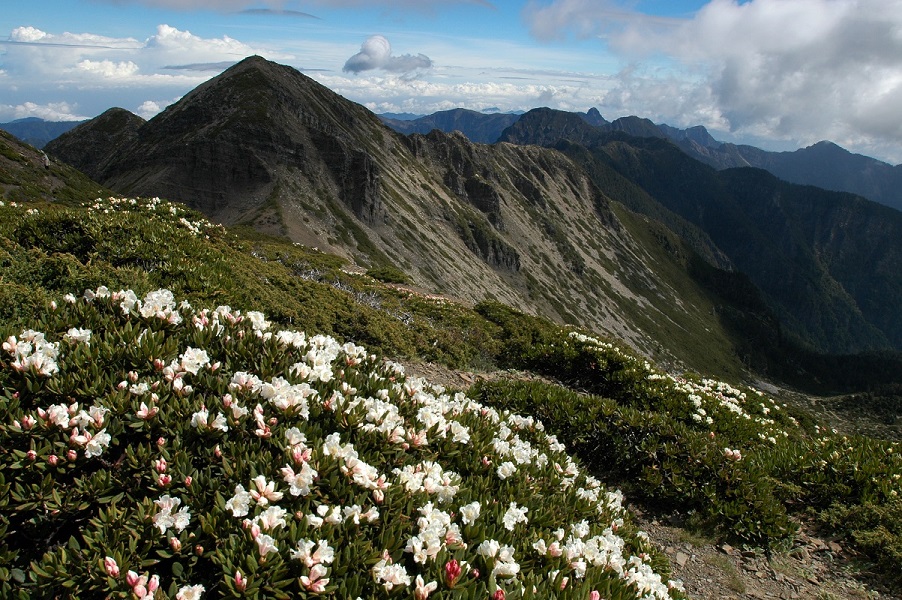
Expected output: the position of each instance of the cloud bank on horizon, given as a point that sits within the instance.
(756, 71)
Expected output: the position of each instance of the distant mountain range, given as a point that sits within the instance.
(587, 222)
(37, 132)
(824, 164)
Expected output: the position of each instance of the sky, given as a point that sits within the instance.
(778, 74)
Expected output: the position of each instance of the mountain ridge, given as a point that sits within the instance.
(264, 145)
(824, 164)
(798, 283)
(553, 231)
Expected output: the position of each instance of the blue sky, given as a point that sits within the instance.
(779, 74)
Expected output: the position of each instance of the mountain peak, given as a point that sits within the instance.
(593, 117)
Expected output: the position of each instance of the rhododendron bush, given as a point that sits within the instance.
(151, 449)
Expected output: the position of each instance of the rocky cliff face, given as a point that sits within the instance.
(820, 258)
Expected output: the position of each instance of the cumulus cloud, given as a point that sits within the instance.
(54, 111)
(109, 69)
(804, 70)
(38, 56)
(375, 53)
(94, 72)
(151, 108)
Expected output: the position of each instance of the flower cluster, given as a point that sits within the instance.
(314, 449)
(31, 351)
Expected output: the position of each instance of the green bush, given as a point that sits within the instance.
(388, 275)
(655, 458)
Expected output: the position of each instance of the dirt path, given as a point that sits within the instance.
(815, 568)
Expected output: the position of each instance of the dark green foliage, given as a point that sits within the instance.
(388, 275)
(874, 527)
(645, 431)
(655, 458)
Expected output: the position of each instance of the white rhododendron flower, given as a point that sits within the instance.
(166, 518)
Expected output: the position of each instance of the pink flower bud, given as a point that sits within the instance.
(122, 385)
(153, 584)
(378, 496)
(594, 595)
(132, 578)
(71, 455)
(175, 544)
(164, 480)
(452, 571)
(199, 550)
(217, 452)
(240, 581)
(158, 364)
(215, 366)
(28, 422)
(474, 573)
(110, 566)
(160, 465)
(139, 590)
(52, 460)
(133, 376)
(498, 595)
(161, 441)
(188, 481)
(31, 455)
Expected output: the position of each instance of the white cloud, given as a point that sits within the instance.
(57, 111)
(375, 53)
(801, 70)
(109, 69)
(399, 94)
(151, 108)
(39, 59)
(46, 69)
